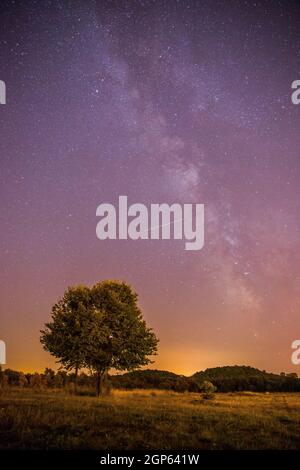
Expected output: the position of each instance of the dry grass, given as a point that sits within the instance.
(144, 419)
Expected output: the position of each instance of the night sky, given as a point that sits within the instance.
(162, 101)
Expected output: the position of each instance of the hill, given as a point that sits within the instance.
(159, 379)
(240, 378)
(226, 379)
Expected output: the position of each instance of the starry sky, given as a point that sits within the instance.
(163, 101)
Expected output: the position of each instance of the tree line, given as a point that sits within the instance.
(224, 379)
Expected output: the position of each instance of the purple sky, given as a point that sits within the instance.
(162, 101)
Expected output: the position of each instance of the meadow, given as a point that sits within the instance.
(148, 419)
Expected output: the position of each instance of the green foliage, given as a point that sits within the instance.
(242, 378)
(208, 390)
(155, 379)
(99, 328)
(120, 338)
(65, 336)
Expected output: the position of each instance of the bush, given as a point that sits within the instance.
(208, 389)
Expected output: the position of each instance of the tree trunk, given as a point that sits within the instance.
(101, 378)
(98, 383)
(75, 380)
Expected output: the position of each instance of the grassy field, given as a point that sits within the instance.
(148, 420)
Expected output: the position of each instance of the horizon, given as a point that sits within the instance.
(143, 368)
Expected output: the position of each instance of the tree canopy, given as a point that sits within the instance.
(99, 328)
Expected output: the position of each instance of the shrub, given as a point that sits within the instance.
(208, 389)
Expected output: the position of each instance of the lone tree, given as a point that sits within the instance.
(101, 329)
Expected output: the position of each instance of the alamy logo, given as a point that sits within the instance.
(2, 352)
(296, 94)
(161, 222)
(296, 354)
(2, 92)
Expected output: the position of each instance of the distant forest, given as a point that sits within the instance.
(225, 379)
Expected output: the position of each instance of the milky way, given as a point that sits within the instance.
(181, 101)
